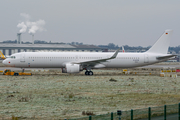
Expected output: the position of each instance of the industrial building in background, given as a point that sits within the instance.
(10, 48)
(18, 38)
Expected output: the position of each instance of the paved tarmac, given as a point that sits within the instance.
(12, 68)
(161, 66)
(149, 66)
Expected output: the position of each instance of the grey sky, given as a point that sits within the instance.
(123, 22)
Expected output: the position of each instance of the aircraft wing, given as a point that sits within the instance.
(165, 57)
(94, 62)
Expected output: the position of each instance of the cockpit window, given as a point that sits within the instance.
(13, 57)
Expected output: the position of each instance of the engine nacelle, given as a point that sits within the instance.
(72, 68)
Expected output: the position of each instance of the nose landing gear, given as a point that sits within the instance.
(88, 73)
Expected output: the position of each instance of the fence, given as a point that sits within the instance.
(166, 112)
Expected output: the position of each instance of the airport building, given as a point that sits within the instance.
(9, 49)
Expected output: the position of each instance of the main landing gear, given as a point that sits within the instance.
(88, 73)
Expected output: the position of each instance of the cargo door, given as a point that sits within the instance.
(22, 57)
(146, 58)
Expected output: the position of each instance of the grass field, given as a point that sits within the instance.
(59, 96)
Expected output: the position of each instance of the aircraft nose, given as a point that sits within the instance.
(4, 62)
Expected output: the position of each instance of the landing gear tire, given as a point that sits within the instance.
(88, 73)
(16, 74)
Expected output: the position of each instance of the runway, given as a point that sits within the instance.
(13, 68)
(161, 66)
(149, 66)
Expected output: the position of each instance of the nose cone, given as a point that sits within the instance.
(4, 62)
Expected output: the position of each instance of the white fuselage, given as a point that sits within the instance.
(59, 59)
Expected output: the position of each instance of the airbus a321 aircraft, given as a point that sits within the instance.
(74, 62)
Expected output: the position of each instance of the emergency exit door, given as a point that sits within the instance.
(146, 58)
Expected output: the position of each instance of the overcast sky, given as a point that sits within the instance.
(122, 22)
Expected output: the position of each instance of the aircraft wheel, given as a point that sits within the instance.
(86, 73)
(90, 73)
(16, 74)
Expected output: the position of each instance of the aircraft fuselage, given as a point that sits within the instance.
(59, 59)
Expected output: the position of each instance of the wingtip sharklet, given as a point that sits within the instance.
(104, 60)
(115, 54)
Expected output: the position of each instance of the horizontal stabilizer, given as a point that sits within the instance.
(165, 57)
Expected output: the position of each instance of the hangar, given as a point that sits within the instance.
(9, 49)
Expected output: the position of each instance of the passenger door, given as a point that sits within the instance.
(22, 57)
(146, 58)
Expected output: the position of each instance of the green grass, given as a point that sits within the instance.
(67, 95)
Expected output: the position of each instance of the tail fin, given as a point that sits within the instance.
(2, 56)
(123, 49)
(162, 44)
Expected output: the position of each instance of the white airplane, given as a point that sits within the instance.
(74, 62)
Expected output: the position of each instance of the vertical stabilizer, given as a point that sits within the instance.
(162, 44)
(2, 56)
(123, 49)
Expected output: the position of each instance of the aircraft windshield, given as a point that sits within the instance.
(13, 57)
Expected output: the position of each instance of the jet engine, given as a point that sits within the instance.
(72, 68)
